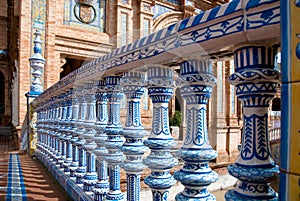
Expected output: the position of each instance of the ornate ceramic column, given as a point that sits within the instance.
(133, 87)
(74, 119)
(68, 136)
(91, 177)
(48, 131)
(160, 141)
(49, 149)
(81, 170)
(39, 131)
(61, 130)
(41, 145)
(56, 127)
(196, 82)
(114, 141)
(53, 128)
(102, 186)
(256, 82)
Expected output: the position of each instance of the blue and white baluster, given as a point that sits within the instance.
(68, 126)
(74, 119)
(47, 146)
(50, 130)
(48, 150)
(40, 129)
(256, 83)
(160, 141)
(133, 147)
(114, 141)
(197, 82)
(39, 132)
(62, 131)
(91, 177)
(55, 130)
(81, 170)
(102, 186)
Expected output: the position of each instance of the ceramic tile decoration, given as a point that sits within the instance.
(71, 7)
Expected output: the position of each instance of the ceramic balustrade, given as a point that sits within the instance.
(196, 83)
(256, 84)
(160, 141)
(114, 140)
(133, 87)
(102, 186)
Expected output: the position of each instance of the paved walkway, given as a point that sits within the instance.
(23, 178)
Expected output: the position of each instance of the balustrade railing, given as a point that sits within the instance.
(83, 143)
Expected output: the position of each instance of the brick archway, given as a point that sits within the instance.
(167, 19)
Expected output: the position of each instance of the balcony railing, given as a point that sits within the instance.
(84, 145)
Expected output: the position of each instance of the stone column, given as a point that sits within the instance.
(160, 141)
(218, 127)
(114, 141)
(90, 178)
(256, 82)
(133, 148)
(37, 63)
(196, 87)
(102, 186)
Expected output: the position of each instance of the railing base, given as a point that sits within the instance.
(73, 190)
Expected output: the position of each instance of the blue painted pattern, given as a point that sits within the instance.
(256, 82)
(15, 187)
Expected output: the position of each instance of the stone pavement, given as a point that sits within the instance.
(25, 178)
